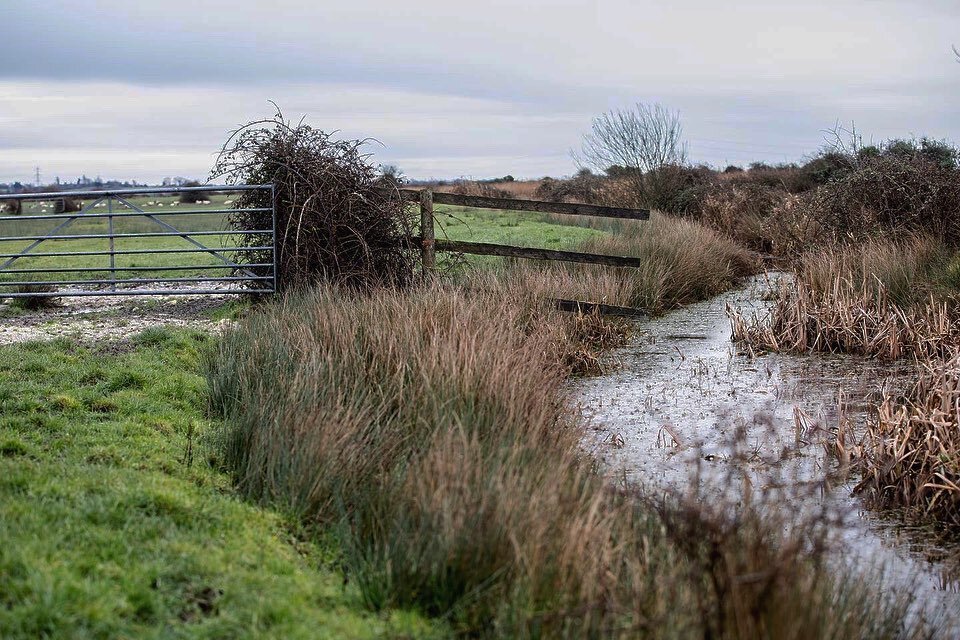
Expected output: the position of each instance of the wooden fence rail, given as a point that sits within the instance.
(429, 245)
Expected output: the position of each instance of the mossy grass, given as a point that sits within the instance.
(116, 522)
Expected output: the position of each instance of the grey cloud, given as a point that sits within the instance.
(445, 84)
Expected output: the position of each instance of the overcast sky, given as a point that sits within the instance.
(143, 89)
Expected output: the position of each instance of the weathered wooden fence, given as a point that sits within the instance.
(429, 244)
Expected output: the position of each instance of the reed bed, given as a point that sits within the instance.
(428, 433)
(910, 454)
(883, 299)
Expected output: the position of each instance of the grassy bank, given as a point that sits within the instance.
(428, 434)
(115, 524)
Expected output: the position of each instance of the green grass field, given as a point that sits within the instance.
(509, 227)
(456, 223)
(116, 522)
(165, 209)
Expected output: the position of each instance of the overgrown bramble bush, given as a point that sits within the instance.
(336, 220)
(890, 192)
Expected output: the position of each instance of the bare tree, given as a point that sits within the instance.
(644, 138)
(639, 143)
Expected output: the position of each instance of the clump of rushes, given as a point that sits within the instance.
(40, 298)
(910, 454)
(429, 434)
(882, 299)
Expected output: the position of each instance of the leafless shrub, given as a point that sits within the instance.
(335, 220)
(741, 212)
(639, 142)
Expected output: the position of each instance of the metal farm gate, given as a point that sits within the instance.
(153, 241)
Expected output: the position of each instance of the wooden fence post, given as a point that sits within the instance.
(428, 250)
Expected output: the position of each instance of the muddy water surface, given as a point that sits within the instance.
(681, 398)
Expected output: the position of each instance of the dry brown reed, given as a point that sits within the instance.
(685, 261)
(482, 189)
(878, 298)
(909, 456)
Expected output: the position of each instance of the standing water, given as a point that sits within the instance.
(681, 397)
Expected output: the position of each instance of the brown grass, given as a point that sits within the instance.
(429, 433)
(685, 262)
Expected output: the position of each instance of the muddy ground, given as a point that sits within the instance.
(106, 318)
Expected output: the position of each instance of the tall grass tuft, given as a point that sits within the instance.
(684, 262)
(428, 431)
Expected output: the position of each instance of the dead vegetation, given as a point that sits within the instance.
(335, 221)
(884, 299)
(909, 456)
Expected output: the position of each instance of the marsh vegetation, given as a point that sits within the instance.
(418, 439)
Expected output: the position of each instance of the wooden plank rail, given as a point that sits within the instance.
(533, 253)
(578, 306)
(429, 245)
(539, 206)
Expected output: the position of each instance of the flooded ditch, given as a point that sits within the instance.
(682, 407)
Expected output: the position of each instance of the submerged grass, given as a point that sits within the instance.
(429, 435)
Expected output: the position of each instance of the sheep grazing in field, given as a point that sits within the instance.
(159, 204)
(227, 202)
(151, 203)
(173, 204)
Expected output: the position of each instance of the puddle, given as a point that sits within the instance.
(681, 394)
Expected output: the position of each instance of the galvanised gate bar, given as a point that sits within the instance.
(151, 241)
